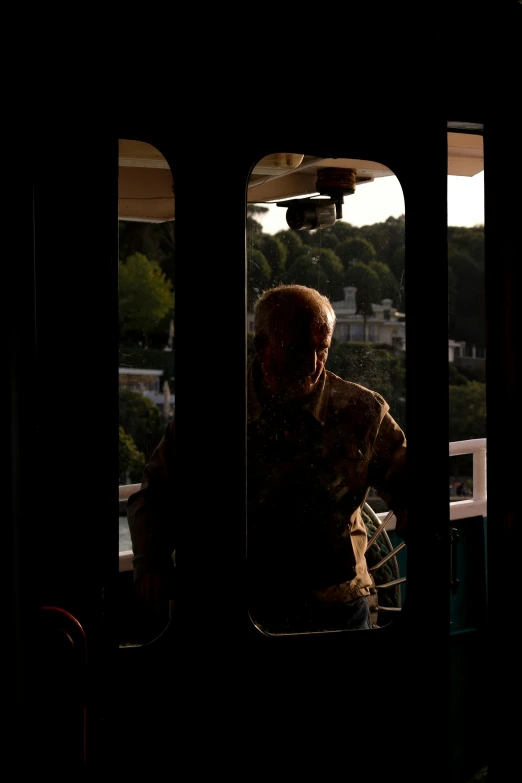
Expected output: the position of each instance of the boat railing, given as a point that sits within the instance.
(459, 509)
(477, 504)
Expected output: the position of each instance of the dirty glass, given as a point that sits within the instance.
(336, 226)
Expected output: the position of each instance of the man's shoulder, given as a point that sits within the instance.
(344, 395)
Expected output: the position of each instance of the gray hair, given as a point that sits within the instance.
(266, 307)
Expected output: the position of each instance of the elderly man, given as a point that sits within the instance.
(316, 444)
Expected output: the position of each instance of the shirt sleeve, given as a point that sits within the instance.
(150, 511)
(388, 470)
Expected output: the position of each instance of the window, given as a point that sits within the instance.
(353, 253)
(467, 387)
(357, 333)
(146, 321)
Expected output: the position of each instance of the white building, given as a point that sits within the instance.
(456, 350)
(147, 382)
(386, 326)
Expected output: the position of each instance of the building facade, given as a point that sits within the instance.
(148, 383)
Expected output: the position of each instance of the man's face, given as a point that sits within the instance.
(293, 357)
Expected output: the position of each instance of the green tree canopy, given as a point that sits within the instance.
(317, 268)
(467, 285)
(388, 240)
(259, 275)
(254, 226)
(368, 285)
(467, 420)
(467, 411)
(141, 419)
(331, 264)
(154, 240)
(275, 253)
(456, 377)
(332, 236)
(145, 294)
(131, 460)
(355, 249)
(389, 284)
(305, 269)
(292, 241)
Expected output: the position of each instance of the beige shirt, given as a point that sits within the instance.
(310, 465)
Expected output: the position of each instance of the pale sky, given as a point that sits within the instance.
(375, 201)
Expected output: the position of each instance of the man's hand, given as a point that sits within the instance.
(152, 591)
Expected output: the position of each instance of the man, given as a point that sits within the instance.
(153, 535)
(316, 444)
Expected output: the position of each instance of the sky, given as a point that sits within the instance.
(375, 201)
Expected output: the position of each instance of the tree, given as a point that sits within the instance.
(154, 240)
(389, 284)
(333, 268)
(259, 275)
(145, 294)
(368, 285)
(456, 378)
(467, 420)
(254, 226)
(467, 285)
(388, 241)
(131, 460)
(275, 253)
(141, 419)
(318, 268)
(306, 269)
(332, 236)
(467, 411)
(355, 249)
(293, 243)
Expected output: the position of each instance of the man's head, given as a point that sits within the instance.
(293, 327)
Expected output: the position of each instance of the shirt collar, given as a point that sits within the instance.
(316, 402)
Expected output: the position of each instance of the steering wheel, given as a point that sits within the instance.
(385, 598)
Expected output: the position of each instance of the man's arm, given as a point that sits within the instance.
(388, 470)
(150, 515)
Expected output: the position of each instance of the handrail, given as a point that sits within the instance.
(477, 505)
(126, 490)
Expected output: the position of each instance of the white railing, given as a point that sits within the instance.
(459, 509)
(125, 562)
(126, 490)
(476, 505)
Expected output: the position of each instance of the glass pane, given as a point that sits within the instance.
(467, 378)
(146, 350)
(316, 495)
